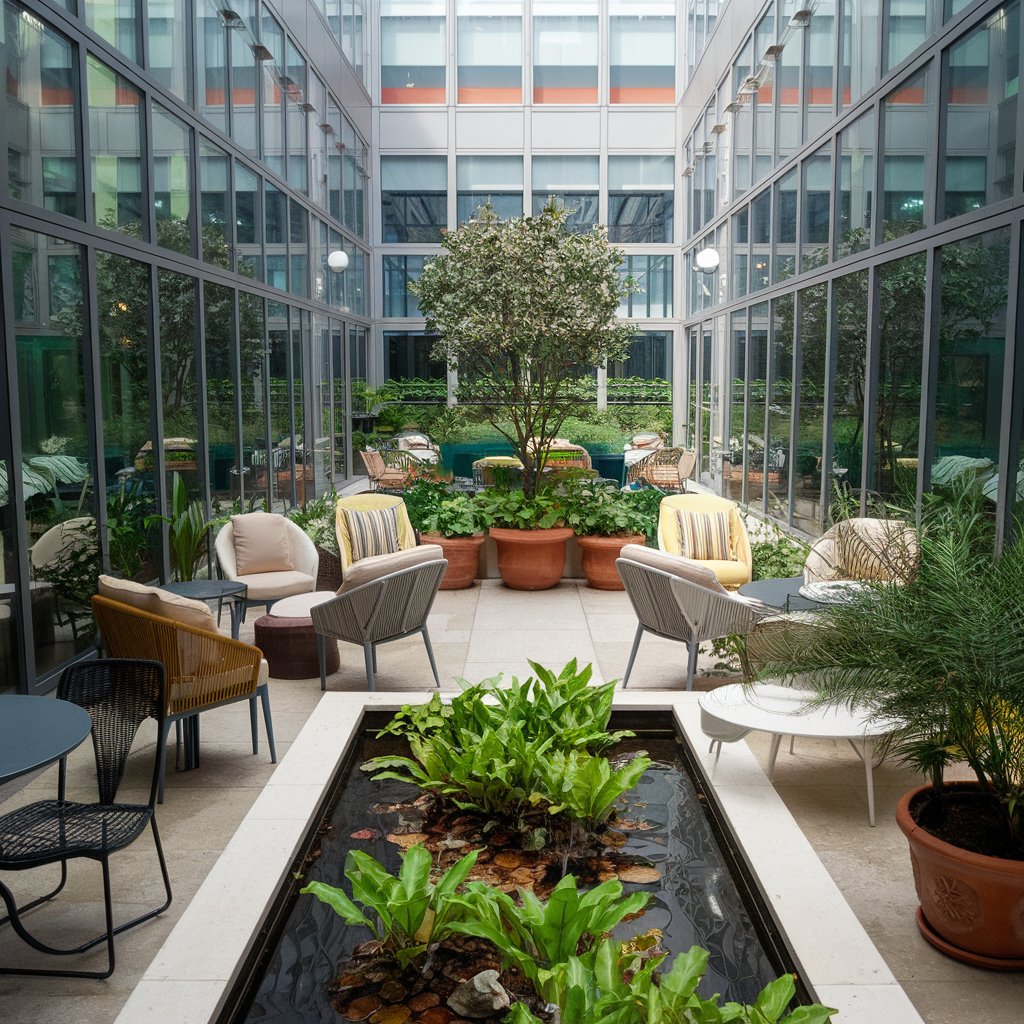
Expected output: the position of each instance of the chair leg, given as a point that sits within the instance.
(691, 662)
(374, 650)
(430, 655)
(42, 899)
(253, 726)
(268, 722)
(368, 657)
(161, 745)
(321, 654)
(632, 654)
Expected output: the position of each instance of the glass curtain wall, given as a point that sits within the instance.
(640, 198)
(489, 51)
(641, 51)
(565, 51)
(497, 180)
(413, 198)
(573, 181)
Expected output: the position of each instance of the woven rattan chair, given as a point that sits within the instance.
(204, 670)
(119, 696)
(389, 468)
(665, 468)
(676, 609)
(389, 608)
(884, 550)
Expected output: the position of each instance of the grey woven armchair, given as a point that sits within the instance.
(677, 609)
(385, 609)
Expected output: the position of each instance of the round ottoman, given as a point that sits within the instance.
(288, 640)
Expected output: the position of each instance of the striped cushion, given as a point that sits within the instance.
(704, 536)
(372, 532)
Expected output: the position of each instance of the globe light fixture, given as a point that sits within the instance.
(338, 260)
(706, 261)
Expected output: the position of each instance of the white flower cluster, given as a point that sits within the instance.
(54, 445)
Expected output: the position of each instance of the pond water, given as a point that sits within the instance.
(701, 900)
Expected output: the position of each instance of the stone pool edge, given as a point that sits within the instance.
(190, 977)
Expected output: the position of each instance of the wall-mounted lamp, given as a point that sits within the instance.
(706, 261)
(338, 260)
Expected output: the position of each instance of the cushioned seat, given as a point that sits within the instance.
(732, 572)
(273, 585)
(370, 503)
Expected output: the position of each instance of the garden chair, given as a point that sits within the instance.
(665, 468)
(882, 550)
(270, 554)
(203, 668)
(390, 607)
(714, 535)
(389, 468)
(678, 599)
(119, 696)
(71, 540)
(364, 539)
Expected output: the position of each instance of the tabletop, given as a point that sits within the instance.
(36, 731)
(206, 590)
(783, 593)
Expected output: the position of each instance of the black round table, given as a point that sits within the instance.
(783, 594)
(36, 731)
(214, 590)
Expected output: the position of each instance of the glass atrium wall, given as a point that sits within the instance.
(176, 177)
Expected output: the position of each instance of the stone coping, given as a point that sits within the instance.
(192, 974)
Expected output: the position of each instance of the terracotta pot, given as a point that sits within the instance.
(598, 556)
(972, 905)
(463, 554)
(531, 559)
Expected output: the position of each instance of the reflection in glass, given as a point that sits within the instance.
(856, 186)
(785, 225)
(296, 93)
(298, 248)
(413, 47)
(649, 357)
(819, 94)
(253, 480)
(908, 25)
(248, 222)
(399, 273)
(732, 456)
(41, 114)
(809, 468)
(742, 126)
(653, 276)
(245, 84)
(282, 411)
(172, 192)
(211, 63)
(114, 21)
(215, 203)
(858, 50)
(740, 252)
(761, 236)
(116, 149)
(757, 406)
(642, 54)
(640, 197)
(408, 356)
(497, 180)
(779, 398)
(850, 301)
(272, 37)
(170, 45)
(981, 81)
(573, 181)
(221, 416)
(907, 126)
(815, 214)
(414, 197)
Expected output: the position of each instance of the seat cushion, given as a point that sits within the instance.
(371, 531)
(368, 569)
(729, 572)
(261, 543)
(684, 568)
(263, 585)
(298, 605)
(158, 602)
(704, 536)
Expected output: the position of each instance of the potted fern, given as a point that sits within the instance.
(944, 655)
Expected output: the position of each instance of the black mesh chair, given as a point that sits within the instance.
(119, 696)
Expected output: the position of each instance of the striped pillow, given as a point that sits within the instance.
(372, 532)
(704, 536)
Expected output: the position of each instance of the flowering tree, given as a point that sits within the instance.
(523, 311)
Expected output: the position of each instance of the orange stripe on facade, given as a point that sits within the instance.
(969, 94)
(417, 94)
(564, 94)
(642, 94)
(911, 94)
(482, 94)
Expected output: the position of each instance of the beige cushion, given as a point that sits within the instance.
(876, 549)
(158, 602)
(261, 543)
(276, 584)
(368, 569)
(674, 564)
(298, 605)
(704, 536)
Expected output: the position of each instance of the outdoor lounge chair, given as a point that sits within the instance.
(348, 552)
(389, 467)
(883, 550)
(119, 696)
(665, 468)
(204, 669)
(678, 599)
(733, 570)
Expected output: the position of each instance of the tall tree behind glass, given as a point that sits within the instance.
(524, 311)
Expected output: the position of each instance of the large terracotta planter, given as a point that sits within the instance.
(597, 556)
(972, 905)
(531, 559)
(463, 554)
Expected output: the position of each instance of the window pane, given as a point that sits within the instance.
(114, 107)
(760, 233)
(856, 185)
(489, 49)
(172, 194)
(640, 198)
(907, 131)
(732, 457)
(757, 391)
(170, 45)
(254, 384)
(910, 22)
(408, 356)
(642, 57)
(497, 180)
(809, 466)
(296, 94)
(414, 198)
(221, 416)
(779, 397)
(245, 77)
(816, 212)
(565, 51)
(819, 92)
(215, 204)
(399, 273)
(413, 46)
(785, 226)
(114, 21)
(858, 50)
(211, 64)
(653, 276)
(248, 222)
(272, 37)
(980, 86)
(850, 299)
(41, 114)
(649, 357)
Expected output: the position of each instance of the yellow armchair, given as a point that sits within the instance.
(368, 503)
(731, 573)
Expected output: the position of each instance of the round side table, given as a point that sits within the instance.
(288, 640)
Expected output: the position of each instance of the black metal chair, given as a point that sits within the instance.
(119, 696)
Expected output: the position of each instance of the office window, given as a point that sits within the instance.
(115, 21)
(909, 24)
(908, 144)
(245, 78)
(414, 197)
(489, 49)
(413, 47)
(653, 276)
(573, 181)
(565, 51)
(856, 186)
(214, 204)
(408, 356)
(248, 222)
(497, 180)
(399, 273)
(640, 198)
(785, 198)
(649, 357)
(858, 49)
(172, 192)
(272, 37)
(170, 45)
(819, 73)
(211, 64)
(296, 88)
(816, 209)
(642, 57)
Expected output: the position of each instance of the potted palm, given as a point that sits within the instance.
(944, 655)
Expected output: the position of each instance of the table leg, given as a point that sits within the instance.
(773, 754)
(868, 756)
(235, 611)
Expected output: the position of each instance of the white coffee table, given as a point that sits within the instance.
(730, 712)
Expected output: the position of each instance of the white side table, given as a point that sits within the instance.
(730, 712)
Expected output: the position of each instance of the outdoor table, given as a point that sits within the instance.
(214, 590)
(783, 594)
(728, 713)
(36, 731)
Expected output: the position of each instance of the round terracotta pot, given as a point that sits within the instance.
(597, 556)
(463, 554)
(531, 559)
(972, 905)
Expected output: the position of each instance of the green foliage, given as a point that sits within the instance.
(422, 498)
(455, 516)
(188, 531)
(585, 787)
(517, 509)
(523, 310)
(317, 520)
(778, 558)
(129, 531)
(409, 912)
(591, 508)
